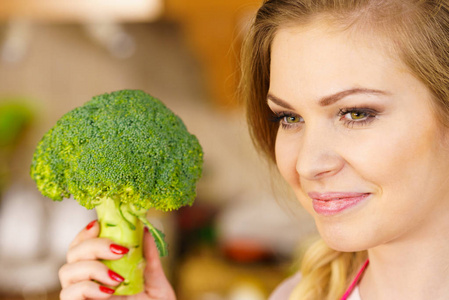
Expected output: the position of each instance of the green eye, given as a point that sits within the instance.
(291, 119)
(357, 115)
(288, 120)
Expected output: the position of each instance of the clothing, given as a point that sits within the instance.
(355, 282)
(283, 291)
(355, 295)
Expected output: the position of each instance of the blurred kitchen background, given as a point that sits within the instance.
(240, 238)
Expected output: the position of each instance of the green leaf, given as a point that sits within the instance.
(159, 237)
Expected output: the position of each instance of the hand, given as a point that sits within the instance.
(85, 277)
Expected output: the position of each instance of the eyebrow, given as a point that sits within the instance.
(331, 99)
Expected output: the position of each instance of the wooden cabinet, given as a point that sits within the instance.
(214, 30)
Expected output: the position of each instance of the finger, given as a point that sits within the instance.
(90, 231)
(96, 248)
(88, 270)
(151, 253)
(85, 290)
(157, 285)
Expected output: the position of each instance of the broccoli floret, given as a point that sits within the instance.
(121, 153)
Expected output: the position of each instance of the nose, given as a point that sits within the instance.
(317, 156)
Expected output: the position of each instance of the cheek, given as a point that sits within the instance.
(396, 160)
(286, 160)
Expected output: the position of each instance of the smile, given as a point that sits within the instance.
(328, 204)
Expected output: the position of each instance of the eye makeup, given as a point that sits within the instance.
(357, 116)
(287, 120)
(350, 116)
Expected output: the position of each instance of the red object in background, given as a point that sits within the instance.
(246, 250)
(196, 216)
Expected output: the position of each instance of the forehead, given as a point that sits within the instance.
(316, 59)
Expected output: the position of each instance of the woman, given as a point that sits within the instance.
(350, 99)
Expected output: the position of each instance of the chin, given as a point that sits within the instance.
(344, 241)
(345, 247)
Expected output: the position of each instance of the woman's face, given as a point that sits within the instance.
(358, 141)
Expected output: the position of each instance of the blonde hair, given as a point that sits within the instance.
(326, 273)
(416, 31)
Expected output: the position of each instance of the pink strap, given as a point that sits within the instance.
(355, 281)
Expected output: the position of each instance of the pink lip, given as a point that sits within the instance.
(332, 203)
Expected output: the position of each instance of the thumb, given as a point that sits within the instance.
(157, 285)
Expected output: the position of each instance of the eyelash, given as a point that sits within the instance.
(369, 114)
(280, 118)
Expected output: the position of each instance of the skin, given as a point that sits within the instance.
(391, 147)
(83, 266)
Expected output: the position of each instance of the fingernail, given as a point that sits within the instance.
(91, 224)
(146, 229)
(117, 249)
(115, 276)
(106, 290)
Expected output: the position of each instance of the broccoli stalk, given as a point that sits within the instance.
(119, 221)
(117, 224)
(122, 154)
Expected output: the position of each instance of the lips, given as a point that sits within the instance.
(333, 203)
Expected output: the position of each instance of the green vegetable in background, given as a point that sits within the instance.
(16, 116)
(122, 153)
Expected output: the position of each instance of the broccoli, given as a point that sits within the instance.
(121, 153)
